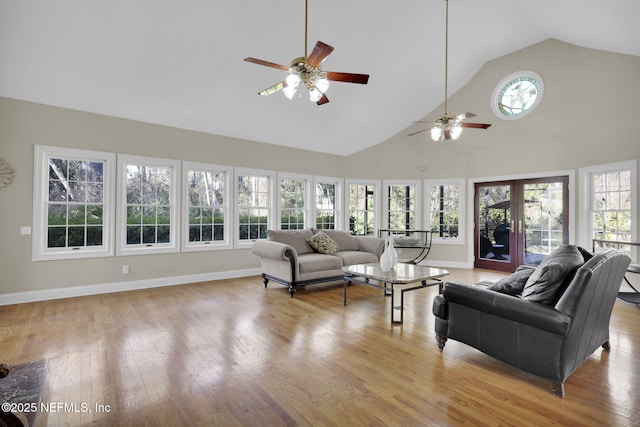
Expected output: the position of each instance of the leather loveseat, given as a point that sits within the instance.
(545, 320)
(289, 258)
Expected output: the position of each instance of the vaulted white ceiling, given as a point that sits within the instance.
(180, 63)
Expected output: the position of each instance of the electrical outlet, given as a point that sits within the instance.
(125, 269)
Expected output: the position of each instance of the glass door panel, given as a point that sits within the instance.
(520, 221)
(545, 225)
(494, 208)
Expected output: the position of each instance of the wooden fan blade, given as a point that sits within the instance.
(319, 53)
(447, 134)
(273, 89)
(465, 116)
(323, 100)
(420, 131)
(475, 125)
(267, 63)
(363, 79)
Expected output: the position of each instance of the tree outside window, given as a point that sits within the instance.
(206, 206)
(326, 205)
(362, 209)
(253, 206)
(401, 207)
(292, 203)
(444, 210)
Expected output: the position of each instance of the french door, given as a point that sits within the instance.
(519, 221)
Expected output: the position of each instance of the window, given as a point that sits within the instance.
(362, 206)
(402, 204)
(444, 201)
(206, 207)
(611, 202)
(327, 195)
(73, 200)
(147, 205)
(294, 190)
(254, 190)
(517, 95)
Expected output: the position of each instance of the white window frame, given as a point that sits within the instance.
(227, 242)
(40, 251)
(308, 179)
(585, 173)
(417, 203)
(271, 214)
(376, 202)
(460, 182)
(338, 182)
(175, 212)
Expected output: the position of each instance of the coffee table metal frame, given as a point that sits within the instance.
(409, 276)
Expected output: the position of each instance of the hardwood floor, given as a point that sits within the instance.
(233, 353)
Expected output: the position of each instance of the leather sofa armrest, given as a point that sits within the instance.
(533, 314)
(274, 250)
(370, 244)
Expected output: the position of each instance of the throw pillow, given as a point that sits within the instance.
(547, 282)
(345, 241)
(322, 243)
(512, 284)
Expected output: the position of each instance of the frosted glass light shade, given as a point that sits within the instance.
(289, 91)
(322, 85)
(293, 80)
(456, 131)
(436, 133)
(315, 95)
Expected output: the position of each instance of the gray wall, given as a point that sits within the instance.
(589, 116)
(24, 124)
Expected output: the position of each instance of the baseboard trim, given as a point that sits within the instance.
(80, 291)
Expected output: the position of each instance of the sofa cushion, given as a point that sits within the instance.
(356, 257)
(294, 238)
(548, 280)
(345, 241)
(313, 262)
(322, 243)
(513, 284)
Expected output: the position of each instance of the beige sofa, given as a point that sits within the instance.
(287, 258)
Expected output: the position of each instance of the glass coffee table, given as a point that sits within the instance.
(403, 278)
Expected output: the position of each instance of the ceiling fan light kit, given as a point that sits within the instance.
(306, 70)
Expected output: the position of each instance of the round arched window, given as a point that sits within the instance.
(517, 95)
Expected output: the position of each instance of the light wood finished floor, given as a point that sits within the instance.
(232, 353)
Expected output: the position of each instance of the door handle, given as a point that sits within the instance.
(512, 227)
(520, 226)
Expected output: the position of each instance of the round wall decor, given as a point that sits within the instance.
(517, 95)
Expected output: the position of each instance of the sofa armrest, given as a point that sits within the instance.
(530, 313)
(370, 244)
(274, 250)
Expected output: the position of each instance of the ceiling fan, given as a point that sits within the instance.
(306, 70)
(447, 126)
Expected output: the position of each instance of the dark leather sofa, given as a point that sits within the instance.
(549, 334)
